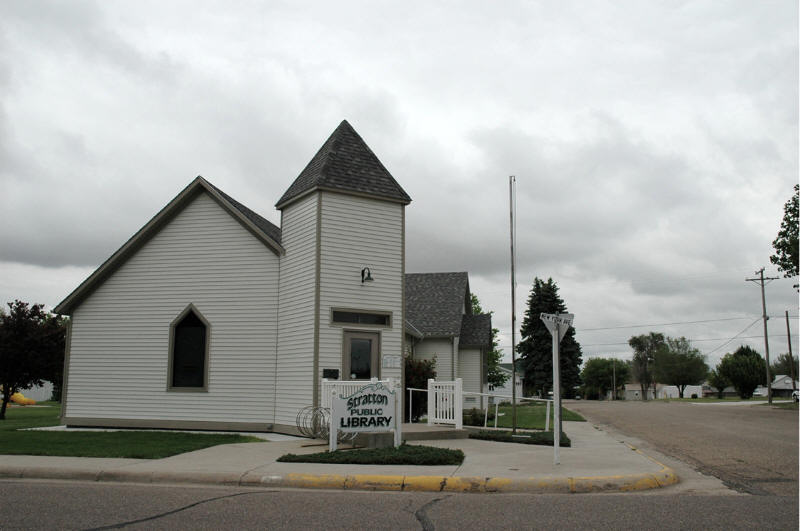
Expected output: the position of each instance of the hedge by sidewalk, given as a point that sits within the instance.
(544, 438)
(405, 454)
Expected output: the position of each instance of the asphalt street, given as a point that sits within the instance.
(80, 505)
(751, 448)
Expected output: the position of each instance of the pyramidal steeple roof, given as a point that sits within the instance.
(346, 164)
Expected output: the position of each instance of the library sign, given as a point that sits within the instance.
(373, 408)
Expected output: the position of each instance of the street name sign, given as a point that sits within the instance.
(552, 322)
(557, 325)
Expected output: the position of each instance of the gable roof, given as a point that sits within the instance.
(784, 381)
(435, 302)
(476, 331)
(266, 226)
(346, 164)
(266, 232)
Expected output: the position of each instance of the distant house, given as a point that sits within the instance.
(633, 391)
(711, 392)
(671, 391)
(505, 389)
(782, 386)
(440, 325)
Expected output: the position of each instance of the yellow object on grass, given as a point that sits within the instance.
(19, 398)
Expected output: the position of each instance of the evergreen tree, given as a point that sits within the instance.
(536, 346)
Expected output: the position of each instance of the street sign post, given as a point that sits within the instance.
(557, 325)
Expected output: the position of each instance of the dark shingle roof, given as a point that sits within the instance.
(345, 163)
(435, 302)
(476, 331)
(265, 225)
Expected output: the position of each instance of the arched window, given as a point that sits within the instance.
(189, 340)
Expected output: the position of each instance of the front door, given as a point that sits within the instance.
(360, 355)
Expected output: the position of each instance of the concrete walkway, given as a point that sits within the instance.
(595, 462)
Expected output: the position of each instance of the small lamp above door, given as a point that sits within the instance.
(366, 275)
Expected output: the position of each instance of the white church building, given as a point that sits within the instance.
(211, 317)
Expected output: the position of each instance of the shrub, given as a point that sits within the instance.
(544, 438)
(475, 416)
(417, 373)
(405, 454)
(694, 395)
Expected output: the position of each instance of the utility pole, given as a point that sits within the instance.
(791, 359)
(613, 378)
(761, 280)
(512, 181)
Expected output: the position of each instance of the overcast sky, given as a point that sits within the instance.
(654, 143)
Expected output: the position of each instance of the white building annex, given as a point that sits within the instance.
(211, 317)
(440, 326)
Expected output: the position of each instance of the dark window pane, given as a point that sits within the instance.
(345, 317)
(374, 319)
(361, 318)
(360, 359)
(189, 353)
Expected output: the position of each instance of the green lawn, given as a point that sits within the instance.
(126, 443)
(530, 416)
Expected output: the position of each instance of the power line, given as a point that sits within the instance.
(694, 340)
(734, 337)
(663, 324)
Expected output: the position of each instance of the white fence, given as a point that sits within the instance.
(342, 387)
(445, 403)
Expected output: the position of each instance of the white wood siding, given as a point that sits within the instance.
(442, 350)
(505, 389)
(357, 233)
(296, 315)
(120, 333)
(469, 370)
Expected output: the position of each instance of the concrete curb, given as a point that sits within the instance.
(531, 485)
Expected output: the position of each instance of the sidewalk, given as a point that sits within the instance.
(595, 462)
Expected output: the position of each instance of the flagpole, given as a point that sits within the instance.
(511, 206)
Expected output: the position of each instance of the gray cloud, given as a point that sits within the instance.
(654, 145)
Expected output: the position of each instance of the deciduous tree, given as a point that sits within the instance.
(645, 348)
(745, 369)
(536, 347)
(680, 364)
(785, 244)
(31, 349)
(718, 382)
(599, 376)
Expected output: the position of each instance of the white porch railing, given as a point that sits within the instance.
(342, 387)
(445, 403)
